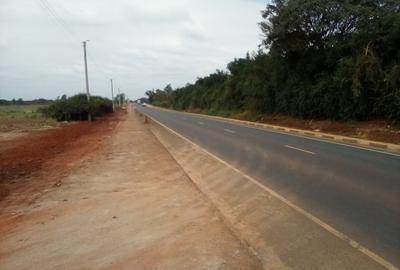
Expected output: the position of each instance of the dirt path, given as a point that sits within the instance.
(129, 206)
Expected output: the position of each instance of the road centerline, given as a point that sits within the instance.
(299, 149)
(229, 131)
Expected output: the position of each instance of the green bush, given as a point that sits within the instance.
(77, 108)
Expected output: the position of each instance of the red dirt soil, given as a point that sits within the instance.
(49, 155)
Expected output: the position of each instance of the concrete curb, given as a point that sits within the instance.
(389, 147)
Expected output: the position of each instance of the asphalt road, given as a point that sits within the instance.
(354, 190)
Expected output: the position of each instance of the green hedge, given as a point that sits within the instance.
(77, 108)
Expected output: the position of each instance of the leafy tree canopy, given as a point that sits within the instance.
(321, 59)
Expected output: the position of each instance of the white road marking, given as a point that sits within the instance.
(298, 149)
(200, 123)
(322, 140)
(229, 130)
(300, 210)
(184, 118)
(265, 129)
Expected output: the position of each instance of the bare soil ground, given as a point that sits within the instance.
(48, 154)
(107, 195)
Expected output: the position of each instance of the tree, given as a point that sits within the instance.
(320, 59)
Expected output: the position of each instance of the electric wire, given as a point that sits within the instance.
(72, 36)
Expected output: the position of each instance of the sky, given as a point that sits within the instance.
(141, 44)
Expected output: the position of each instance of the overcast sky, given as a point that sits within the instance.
(142, 44)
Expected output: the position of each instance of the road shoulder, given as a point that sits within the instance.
(130, 206)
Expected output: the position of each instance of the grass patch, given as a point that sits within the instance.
(21, 111)
(24, 118)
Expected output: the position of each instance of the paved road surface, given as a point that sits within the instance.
(356, 191)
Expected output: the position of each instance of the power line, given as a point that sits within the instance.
(57, 19)
(62, 21)
(68, 29)
(72, 36)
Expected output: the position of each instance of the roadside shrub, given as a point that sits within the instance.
(77, 108)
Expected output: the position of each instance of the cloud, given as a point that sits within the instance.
(142, 44)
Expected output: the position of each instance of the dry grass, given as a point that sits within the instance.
(20, 119)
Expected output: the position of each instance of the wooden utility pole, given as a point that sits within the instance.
(87, 78)
(119, 98)
(112, 94)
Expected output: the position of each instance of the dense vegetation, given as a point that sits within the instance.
(77, 108)
(20, 101)
(320, 59)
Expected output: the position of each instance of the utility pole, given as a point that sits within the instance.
(112, 94)
(119, 99)
(86, 77)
